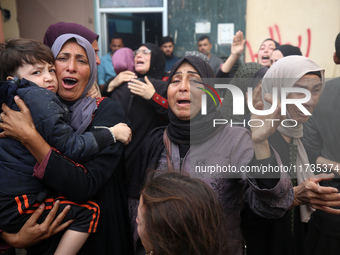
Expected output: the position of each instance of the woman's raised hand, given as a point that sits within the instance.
(237, 46)
(271, 122)
(265, 126)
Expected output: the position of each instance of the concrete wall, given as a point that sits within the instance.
(34, 16)
(10, 27)
(31, 18)
(2, 36)
(310, 24)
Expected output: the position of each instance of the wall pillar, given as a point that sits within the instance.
(2, 36)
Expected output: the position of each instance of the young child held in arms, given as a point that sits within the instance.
(28, 67)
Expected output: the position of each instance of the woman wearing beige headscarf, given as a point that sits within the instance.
(286, 236)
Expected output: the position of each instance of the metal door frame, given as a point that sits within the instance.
(101, 21)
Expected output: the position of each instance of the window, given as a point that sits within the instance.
(130, 3)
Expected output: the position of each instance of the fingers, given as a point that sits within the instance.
(52, 213)
(93, 92)
(129, 136)
(35, 216)
(322, 177)
(147, 80)
(127, 73)
(55, 226)
(61, 227)
(312, 184)
(256, 95)
(3, 115)
(135, 90)
(4, 107)
(329, 203)
(127, 76)
(135, 81)
(327, 209)
(324, 196)
(259, 105)
(269, 98)
(122, 132)
(238, 36)
(241, 38)
(136, 87)
(21, 104)
(325, 190)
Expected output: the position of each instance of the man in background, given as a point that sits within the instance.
(204, 46)
(105, 70)
(167, 46)
(321, 138)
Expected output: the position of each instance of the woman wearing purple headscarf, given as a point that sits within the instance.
(99, 178)
(60, 28)
(123, 60)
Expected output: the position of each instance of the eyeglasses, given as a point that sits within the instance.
(144, 52)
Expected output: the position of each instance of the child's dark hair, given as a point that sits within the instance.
(14, 53)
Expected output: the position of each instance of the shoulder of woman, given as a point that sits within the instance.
(153, 142)
(235, 135)
(42, 100)
(156, 132)
(111, 109)
(160, 86)
(106, 103)
(236, 130)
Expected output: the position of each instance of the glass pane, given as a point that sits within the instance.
(130, 3)
(184, 15)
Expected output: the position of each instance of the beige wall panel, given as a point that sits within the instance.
(310, 24)
(10, 27)
(34, 16)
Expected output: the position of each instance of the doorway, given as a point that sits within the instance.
(137, 21)
(135, 28)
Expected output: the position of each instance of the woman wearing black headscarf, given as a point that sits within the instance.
(266, 48)
(142, 98)
(190, 144)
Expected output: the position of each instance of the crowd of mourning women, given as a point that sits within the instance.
(158, 158)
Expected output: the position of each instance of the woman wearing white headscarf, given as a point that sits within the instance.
(286, 235)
